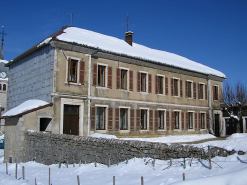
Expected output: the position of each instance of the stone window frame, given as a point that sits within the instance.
(191, 89)
(128, 130)
(178, 87)
(180, 121)
(203, 92)
(106, 118)
(216, 98)
(2, 84)
(164, 85)
(165, 126)
(205, 120)
(193, 119)
(146, 89)
(38, 122)
(148, 129)
(128, 79)
(106, 75)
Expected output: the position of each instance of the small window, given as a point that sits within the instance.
(123, 119)
(124, 79)
(203, 120)
(215, 93)
(190, 120)
(189, 87)
(161, 120)
(143, 82)
(4, 87)
(101, 76)
(44, 122)
(177, 119)
(100, 118)
(176, 87)
(160, 85)
(72, 71)
(201, 90)
(144, 119)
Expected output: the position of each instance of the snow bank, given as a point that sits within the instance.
(106, 136)
(44, 42)
(112, 44)
(27, 105)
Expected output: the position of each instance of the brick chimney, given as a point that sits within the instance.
(129, 37)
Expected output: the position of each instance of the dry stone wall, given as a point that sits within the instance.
(50, 148)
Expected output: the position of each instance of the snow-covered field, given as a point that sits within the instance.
(230, 170)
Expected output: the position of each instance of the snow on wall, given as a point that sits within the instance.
(31, 78)
(112, 44)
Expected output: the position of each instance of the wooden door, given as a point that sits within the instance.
(71, 120)
(217, 125)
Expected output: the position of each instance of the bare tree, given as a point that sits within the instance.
(235, 98)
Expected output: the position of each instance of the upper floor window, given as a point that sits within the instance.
(76, 69)
(175, 87)
(72, 72)
(4, 87)
(143, 82)
(216, 92)
(189, 89)
(201, 91)
(124, 79)
(101, 75)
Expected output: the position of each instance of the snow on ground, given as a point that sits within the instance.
(130, 173)
(25, 106)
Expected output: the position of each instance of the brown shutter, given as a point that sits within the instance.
(131, 80)
(149, 83)
(172, 89)
(138, 119)
(138, 81)
(199, 118)
(206, 92)
(82, 71)
(132, 119)
(116, 119)
(95, 75)
(110, 110)
(187, 120)
(150, 119)
(194, 90)
(186, 89)
(195, 121)
(156, 126)
(166, 85)
(173, 121)
(118, 78)
(109, 79)
(214, 93)
(167, 120)
(217, 93)
(156, 84)
(182, 115)
(69, 66)
(181, 88)
(93, 111)
(199, 95)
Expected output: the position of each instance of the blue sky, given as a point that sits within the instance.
(211, 32)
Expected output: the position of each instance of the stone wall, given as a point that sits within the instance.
(49, 148)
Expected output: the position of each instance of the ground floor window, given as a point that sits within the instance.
(100, 118)
(177, 119)
(203, 120)
(161, 120)
(190, 120)
(123, 119)
(144, 119)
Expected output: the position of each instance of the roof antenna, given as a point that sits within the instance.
(72, 16)
(127, 22)
(1, 54)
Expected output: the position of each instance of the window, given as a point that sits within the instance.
(176, 87)
(43, 124)
(177, 119)
(143, 82)
(144, 119)
(161, 120)
(124, 79)
(0, 87)
(72, 70)
(189, 89)
(215, 92)
(203, 120)
(101, 76)
(160, 85)
(190, 120)
(4, 87)
(100, 118)
(200, 91)
(124, 119)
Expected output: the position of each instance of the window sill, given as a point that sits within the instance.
(161, 130)
(176, 129)
(191, 130)
(176, 96)
(202, 129)
(73, 83)
(190, 98)
(101, 131)
(144, 131)
(124, 90)
(123, 131)
(161, 94)
(143, 92)
(99, 87)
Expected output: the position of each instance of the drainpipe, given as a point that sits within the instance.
(210, 105)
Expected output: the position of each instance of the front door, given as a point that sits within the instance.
(217, 125)
(71, 120)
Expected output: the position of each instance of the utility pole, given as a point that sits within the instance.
(1, 54)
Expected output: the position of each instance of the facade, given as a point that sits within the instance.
(106, 89)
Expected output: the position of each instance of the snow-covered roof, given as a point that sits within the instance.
(3, 61)
(112, 44)
(24, 107)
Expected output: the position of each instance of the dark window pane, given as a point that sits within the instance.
(123, 79)
(123, 119)
(101, 76)
(100, 118)
(143, 82)
(143, 119)
(160, 85)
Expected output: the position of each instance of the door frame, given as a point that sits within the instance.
(68, 101)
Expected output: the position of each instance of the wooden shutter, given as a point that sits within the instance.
(173, 121)
(207, 120)
(187, 121)
(149, 83)
(213, 92)
(109, 79)
(167, 120)
(93, 114)
(195, 121)
(181, 88)
(199, 120)
(110, 112)
(172, 87)
(131, 80)
(166, 85)
(95, 75)
(199, 95)
(156, 118)
(118, 78)
(206, 92)
(138, 119)
(116, 119)
(186, 89)
(182, 115)
(217, 93)
(69, 66)
(150, 119)
(138, 81)
(194, 90)
(156, 84)
(82, 71)
(132, 119)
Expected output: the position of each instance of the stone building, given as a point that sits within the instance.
(102, 84)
